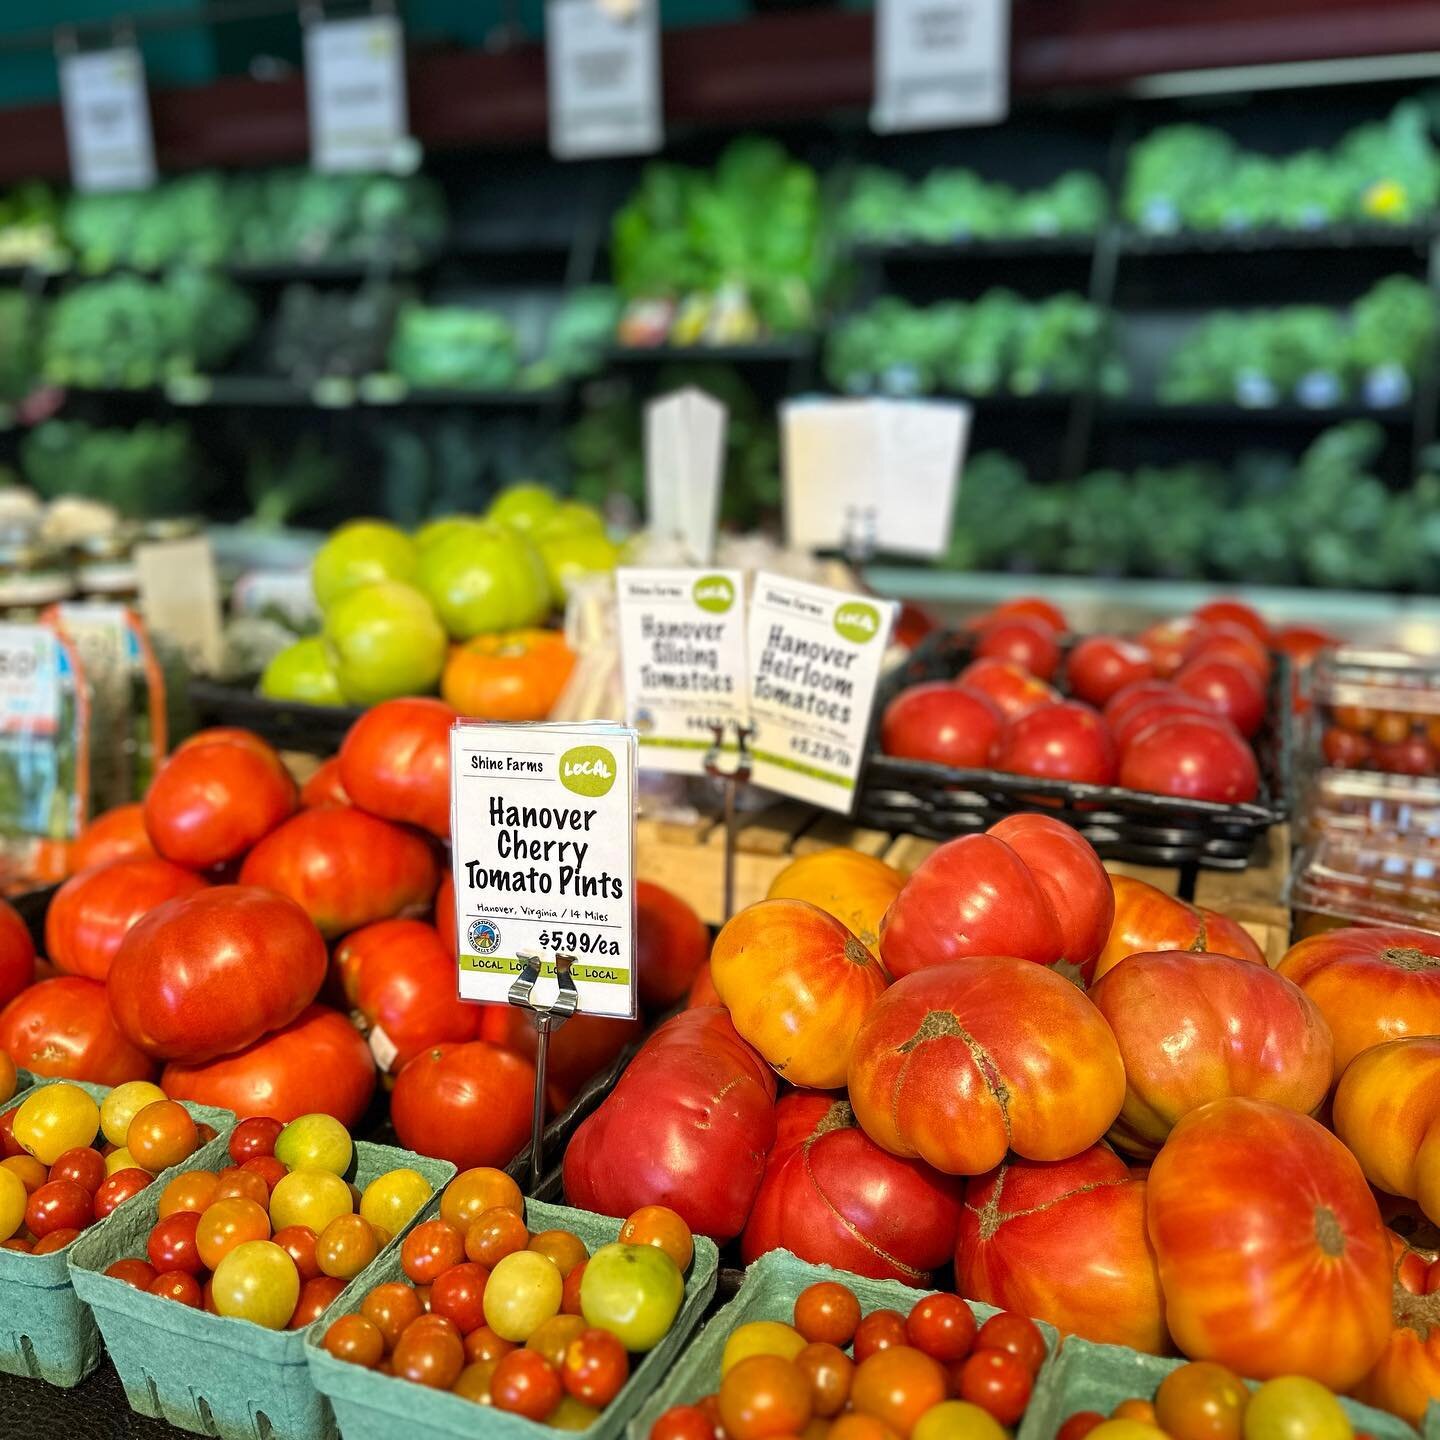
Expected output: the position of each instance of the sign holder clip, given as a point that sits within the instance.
(547, 1018)
(736, 776)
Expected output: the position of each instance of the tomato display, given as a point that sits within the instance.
(468, 1103)
(64, 1027)
(949, 724)
(1029, 886)
(1146, 919)
(17, 954)
(395, 762)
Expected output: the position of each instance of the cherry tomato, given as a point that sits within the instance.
(268, 1168)
(1141, 1411)
(53, 1119)
(173, 1246)
(253, 1137)
(595, 1368)
(315, 1298)
(33, 1174)
(660, 1226)
(459, 1294)
(523, 1291)
(346, 1246)
(565, 1249)
(1079, 1425)
(552, 1337)
(525, 1384)
(117, 1188)
(1202, 1401)
(827, 1311)
(205, 1132)
(257, 1281)
(1432, 1278)
(123, 1104)
(305, 1197)
(226, 1224)
(943, 1327)
(683, 1422)
(86, 1167)
(485, 1344)
(494, 1235)
(138, 1273)
(162, 1135)
(763, 1396)
(570, 1294)
(879, 1330)
(475, 1381)
(831, 1373)
(298, 1242)
(392, 1200)
(472, 1192)
(430, 1249)
(233, 1182)
(390, 1308)
(178, 1285)
(355, 1340)
(22, 1247)
(430, 1353)
(996, 1381)
(58, 1205)
(190, 1190)
(56, 1240)
(897, 1386)
(1016, 1334)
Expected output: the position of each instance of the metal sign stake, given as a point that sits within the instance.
(733, 779)
(547, 1018)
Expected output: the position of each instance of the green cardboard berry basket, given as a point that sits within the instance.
(46, 1331)
(1086, 1376)
(768, 1292)
(207, 1373)
(372, 1406)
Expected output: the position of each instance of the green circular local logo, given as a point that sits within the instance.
(588, 770)
(857, 622)
(714, 593)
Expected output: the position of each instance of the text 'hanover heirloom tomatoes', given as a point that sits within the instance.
(1028, 886)
(212, 972)
(959, 1063)
(395, 762)
(64, 1027)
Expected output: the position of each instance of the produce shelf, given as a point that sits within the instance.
(1230, 242)
(980, 248)
(1150, 411)
(336, 393)
(782, 351)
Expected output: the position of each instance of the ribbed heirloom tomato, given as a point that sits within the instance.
(1028, 886)
(1372, 985)
(64, 1027)
(797, 984)
(1273, 1257)
(1146, 919)
(1406, 1377)
(834, 1197)
(857, 889)
(395, 762)
(959, 1063)
(1065, 1242)
(1194, 1027)
(210, 973)
(514, 675)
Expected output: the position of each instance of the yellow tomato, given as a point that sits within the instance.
(1294, 1407)
(957, 1420)
(315, 1142)
(760, 1337)
(122, 1159)
(523, 1291)
(309, 1197)
(54, 1119)
(392, 1200)
(1125, 1430)
(257, 1281)
(123, 1104)
(571, 1414)
(856, 889)
(13, 1198)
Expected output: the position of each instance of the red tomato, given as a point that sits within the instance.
(1102, 665)
(345, 868)
(395, 762)
(1034, 607)
(83, 1165)
(1134, 695)
(1301, 643)
(116, 1189)
(826, 1312)
(1068, 741)
(1411, 756)
(178, 1285)
(56, 1240)
(1228, 688)
(683, 1422)
(324, 787)
(997, 1382)
(1150, 712)
(1234, 612)
(210, 973)
(137, 1273)
(298, 1242)
(1021, 641)
(527, 1384)
(943, 1326)
(1016, 1334)
(399, 976)
(92, 912)
(268, 1168)
(833, 1197)
(17, 954)
(316, 1296)
(1230, 642)
(1170, 643)
(592, 1043)
(118, 834)
(254, 1137)
(702, 990)
(444, 914)
(234, 735)
(947, 724)
(1028, 886)
(1306, 1288)
(64, 1027)
(319, 1063)
(210, 803)
(1196, 757)
(688, 1125)
(879, 1330)
(1013, 690)
(458, 1293)
(1079, 1425)
(1345, 748)
(596, 1368)
(59, 1205)
(172, 1244)
(469, 1104)
(671, 944)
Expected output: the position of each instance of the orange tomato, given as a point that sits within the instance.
(1406, 1377)
(897, 1386)
(517, 675)
(764, 1396)
(472, 1192)
(798, 985)
(192, 1190)
(660, 1226)
(856, 889)
(1147, 919)
(1273, 1257)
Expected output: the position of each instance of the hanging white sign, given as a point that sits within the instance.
(107, 119)
(940, 63)
(355, 91)
(603, 73)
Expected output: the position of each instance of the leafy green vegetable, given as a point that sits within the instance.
(148, 471)
(454, 347)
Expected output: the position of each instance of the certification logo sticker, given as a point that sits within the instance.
(483, 937)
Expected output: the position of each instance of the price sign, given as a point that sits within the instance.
(940, 63)
(684, 467)
(602, 68)
(815, 658)
(355, 90)
(682, 654)
(180, 597)
(107, 119)
(543, 843)
(873, 475)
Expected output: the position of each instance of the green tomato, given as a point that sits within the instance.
(482, 578)
(580, 553)
(315, 1142)
(386, 641)
(434, 530)
(303, 671)
(257, 1281)
(634, 1292)
(523, 507)
(1295, 1407)
(574, 517)
(309, 1197)
(361, 552)
(524, 1290)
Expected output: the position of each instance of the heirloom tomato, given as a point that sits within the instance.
(117, 834)
(469, 1104)
(1020, 640)
(855, 888)
(1065, 741)
(1101, 665)
(943, 723)
(1146, 918)
(1011, 689)
(671, 944)
(64, 1027)
(1405, 1380)
(1228, 688)
(395, 762)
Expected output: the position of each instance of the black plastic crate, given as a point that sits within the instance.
(286, 724)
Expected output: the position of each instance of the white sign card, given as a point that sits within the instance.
(180, 597)
(355, 93)
(940, 63)
(682, 658)
(30, 657)
(542, 827)
(815, 657)
(873, 475)
(107, 119)
(685, 468)
(603, 76)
